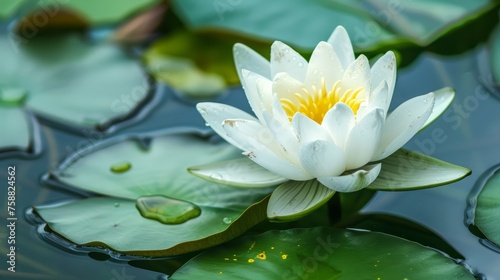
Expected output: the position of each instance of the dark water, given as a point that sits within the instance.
(468, 134)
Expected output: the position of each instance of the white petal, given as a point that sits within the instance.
(378, 99)
(352, 182)
(240, 172)
(246, 58)
(403, 123)
(323, 65)
(339, 121)
(384, 69)
(284, 137)
(308, 130)
(250, 81)
(285, 86)
(363, 139)
(215, 114)
(278, 112)
(357, 75)
(342, 46)
(443, 99)
(285, 59)
(264, 88)
(322, 159)
(261, 147)
(245, 132)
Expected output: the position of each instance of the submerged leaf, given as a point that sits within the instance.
(321, 253)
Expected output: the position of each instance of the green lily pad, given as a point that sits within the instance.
(151, 184)
(95, 12)
(75, 83)
(321, 253)
(371, 24)
(17, 130)
(494, 45)
(407, 170)
(484, 205)
(198, 64)
(9, 7)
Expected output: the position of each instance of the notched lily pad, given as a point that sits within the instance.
(180, 213)
(321, 253)
(71, 82)
(483, 207)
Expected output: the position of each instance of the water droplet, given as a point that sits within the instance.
(286, 50)
(409, 113)
(294, 58)
(117, 204)
(300, 64)
(207, 124)
(203, 112)
(227, 220)
(166, 210)
(12, 96)
(121, 167)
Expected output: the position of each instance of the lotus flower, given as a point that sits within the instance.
(326, 119)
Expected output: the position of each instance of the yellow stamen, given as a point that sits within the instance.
(315, 103)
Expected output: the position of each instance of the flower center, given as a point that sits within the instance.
(316, 103)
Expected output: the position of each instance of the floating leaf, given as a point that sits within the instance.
(494, 45)
(371, 24)
(9, 7)
(95, 11)
(407, 170)
(199, 64)
(484, 204)
(155, 180)
(77, 84)
(16, 129)
(321, 253)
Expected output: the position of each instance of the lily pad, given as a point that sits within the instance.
(321, 253)
(151, 184)
(9, 7)
(494, 45)
(74, 83)
(407, 170)
(373, 24)
(484, 205)
(199, 64)
(19, 131)
(95, 12)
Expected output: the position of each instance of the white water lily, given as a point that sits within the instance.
(326, 119)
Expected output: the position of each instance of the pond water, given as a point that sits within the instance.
(467, 134)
